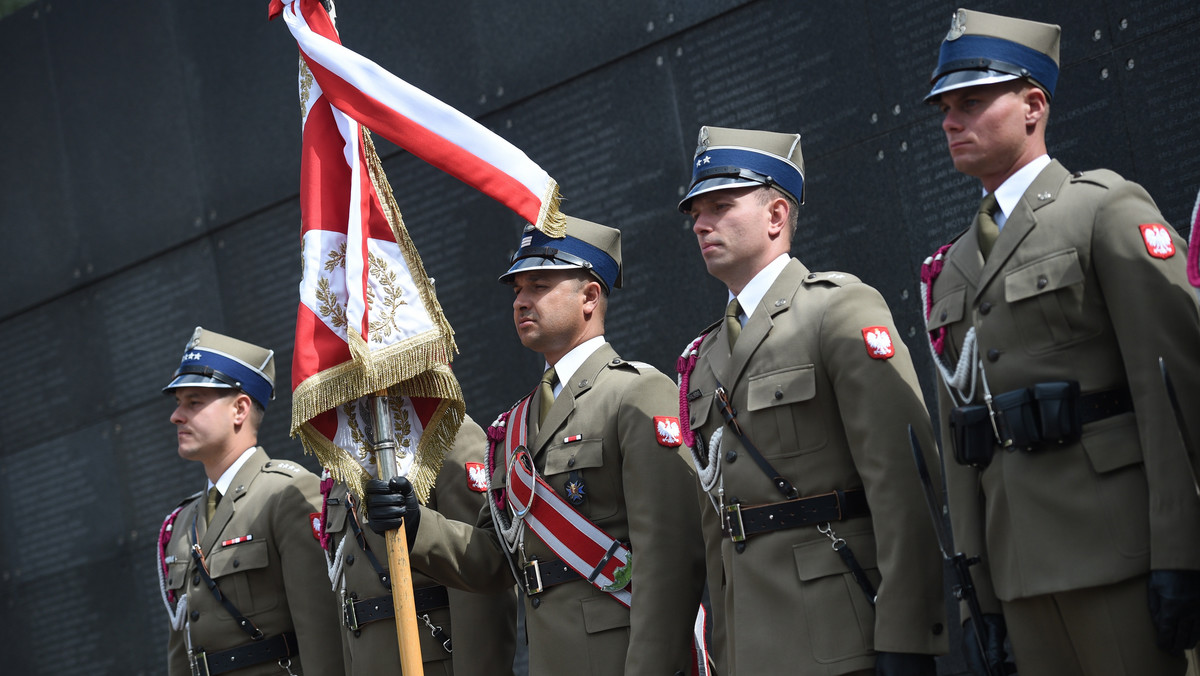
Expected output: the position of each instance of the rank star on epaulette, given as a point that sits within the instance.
(878, 342)
(1158, 240)
(476, 477)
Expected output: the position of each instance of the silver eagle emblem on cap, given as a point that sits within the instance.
(702, 141)
(958, 25)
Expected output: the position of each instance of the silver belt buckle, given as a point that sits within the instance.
(349, 617)
(537, 576)
(198, 662)
(733, 517)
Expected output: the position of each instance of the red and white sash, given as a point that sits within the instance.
(578, 542)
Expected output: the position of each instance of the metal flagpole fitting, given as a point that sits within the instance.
(407, 631)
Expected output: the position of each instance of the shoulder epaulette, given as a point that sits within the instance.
(834, 278)
(1104, 178)
(285, 467)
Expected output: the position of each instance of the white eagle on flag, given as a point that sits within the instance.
(1158, 241)
(880, 341)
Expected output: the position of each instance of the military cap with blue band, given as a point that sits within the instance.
(986, 48)
(588, 246)
(213, 360)
(738, 158)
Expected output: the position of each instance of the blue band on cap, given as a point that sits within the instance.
(202, 362)
(981, 52)
(772, 169)
(601, 263)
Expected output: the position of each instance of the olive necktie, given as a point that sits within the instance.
(546, 394)
(988, 231)
(733, 326)
(214, 496)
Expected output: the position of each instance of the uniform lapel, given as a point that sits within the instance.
(227, 506)
(758, 327)
(1021, 221)
(581, 381)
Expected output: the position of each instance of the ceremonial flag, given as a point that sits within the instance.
(368, 320)
(419, 123)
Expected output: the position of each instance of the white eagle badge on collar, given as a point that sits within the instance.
(878, 342)
(668, 431)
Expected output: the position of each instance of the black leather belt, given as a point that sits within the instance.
(541, 574)
(271, 649)
(1100, 405)
(356, 613)
(742, 522)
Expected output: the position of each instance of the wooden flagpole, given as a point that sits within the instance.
(397, 548)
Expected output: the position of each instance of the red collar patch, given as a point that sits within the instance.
(477, 479)
(1158, 240)
(667, 429)
(878, 342)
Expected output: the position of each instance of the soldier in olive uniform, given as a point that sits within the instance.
(800, 404)
(1047, 317)
(481, 641)
(243, 576)
(612, 483)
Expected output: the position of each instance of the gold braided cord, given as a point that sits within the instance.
(550, 219)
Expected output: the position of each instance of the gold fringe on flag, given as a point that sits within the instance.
(436, 440)
(550, 219)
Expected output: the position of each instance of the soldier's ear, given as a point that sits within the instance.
(1036, 105)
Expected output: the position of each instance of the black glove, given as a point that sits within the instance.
(904, 664)
(994, 632)
(392, 504)
(1175, 608)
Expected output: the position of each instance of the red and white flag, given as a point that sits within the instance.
(368, 320)
(420, 123)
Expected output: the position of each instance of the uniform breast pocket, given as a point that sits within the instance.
(582, 463)
(1046, 297)
(779, 401)
(238, 568)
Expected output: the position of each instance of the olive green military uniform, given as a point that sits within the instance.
(261, 551)
(637, 491)
(828, 417)
(1073, 291)
(481, 627)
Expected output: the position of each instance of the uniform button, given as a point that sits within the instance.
(778, 395)
(236, 563)
(730, 455)
(195, 615)
(268, 464)
(812, 276)
(536, 602)
(1042, 282)
(944, 315)
(985, 307)
(349, 559)
(937, 629)
(571, 462)
(993, 354)
(196, 579)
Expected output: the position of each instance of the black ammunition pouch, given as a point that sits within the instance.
(971, 435)
(1029, 419)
